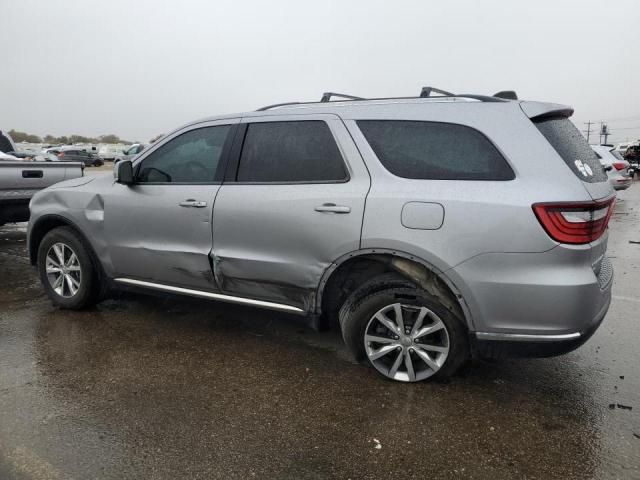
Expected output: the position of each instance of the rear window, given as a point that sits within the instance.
(616, 154)
(567, 140)
(5, 144)
(434, 151)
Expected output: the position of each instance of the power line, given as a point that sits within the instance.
(637, 127)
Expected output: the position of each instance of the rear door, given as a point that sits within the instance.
(292, 203)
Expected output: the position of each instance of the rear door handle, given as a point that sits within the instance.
(332, 208)
(193, 203)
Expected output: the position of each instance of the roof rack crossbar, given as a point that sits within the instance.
(427, 91)
(326, 97)
(508, 94)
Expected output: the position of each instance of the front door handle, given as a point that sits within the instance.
(193, 203)
(332, 208)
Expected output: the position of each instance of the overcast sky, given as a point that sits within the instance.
(141, 68)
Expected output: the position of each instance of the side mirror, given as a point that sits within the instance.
(123, 172)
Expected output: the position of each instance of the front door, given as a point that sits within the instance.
(159, 229)
(293, 205)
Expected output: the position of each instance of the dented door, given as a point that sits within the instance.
(273, 239)
(159, 229)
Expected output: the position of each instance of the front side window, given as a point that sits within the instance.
(289, 152)
(434, 151)
(192, 157)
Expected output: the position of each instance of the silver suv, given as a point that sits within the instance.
(431, 228)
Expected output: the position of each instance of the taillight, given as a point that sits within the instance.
(618, 166)
(575, 222)
(61, 154)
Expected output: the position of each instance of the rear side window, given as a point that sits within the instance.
(289, 152)
(434, 151)
(567, 140)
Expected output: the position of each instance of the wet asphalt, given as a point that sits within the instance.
(168, 387)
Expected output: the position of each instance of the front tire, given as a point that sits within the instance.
(66, 269)
(403, 331)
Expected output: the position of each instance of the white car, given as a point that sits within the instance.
(617, 167)
(110, 151)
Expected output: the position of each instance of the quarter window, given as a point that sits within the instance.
(284, 152)
(434, 151)
(574, 149)
(192, 157)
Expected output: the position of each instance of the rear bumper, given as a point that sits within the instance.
(622, 183)
(491, 345)
(538, 304)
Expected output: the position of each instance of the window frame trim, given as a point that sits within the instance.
(224, 155)
(486, 137)
(233, 167)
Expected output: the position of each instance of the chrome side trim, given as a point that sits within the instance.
(520, 337)
(212, 296)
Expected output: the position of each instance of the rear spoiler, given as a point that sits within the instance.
(539, 110)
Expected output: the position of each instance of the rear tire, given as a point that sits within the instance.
(66, 269)
(403, 331)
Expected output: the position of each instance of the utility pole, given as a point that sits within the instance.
(588, 130)
(604, 132)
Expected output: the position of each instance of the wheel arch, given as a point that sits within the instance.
(361, 264)
(44, 225)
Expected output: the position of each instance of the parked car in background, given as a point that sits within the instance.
(21, 178)
(110, 152)
(621, 148)
(73, 154)
(427, 228)
(131, 152)
(632, 155)
(618, 169)
(631, 169)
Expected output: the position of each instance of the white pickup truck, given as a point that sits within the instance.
(20, 180)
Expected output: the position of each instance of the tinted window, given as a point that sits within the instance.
(290, 152)
(192, 157)
(567, 140)
(5, 144)
(434, 151)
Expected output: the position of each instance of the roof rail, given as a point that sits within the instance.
(276, 105)
(424, 93)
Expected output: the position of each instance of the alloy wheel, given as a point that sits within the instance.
(63, 270)
(406, 343)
